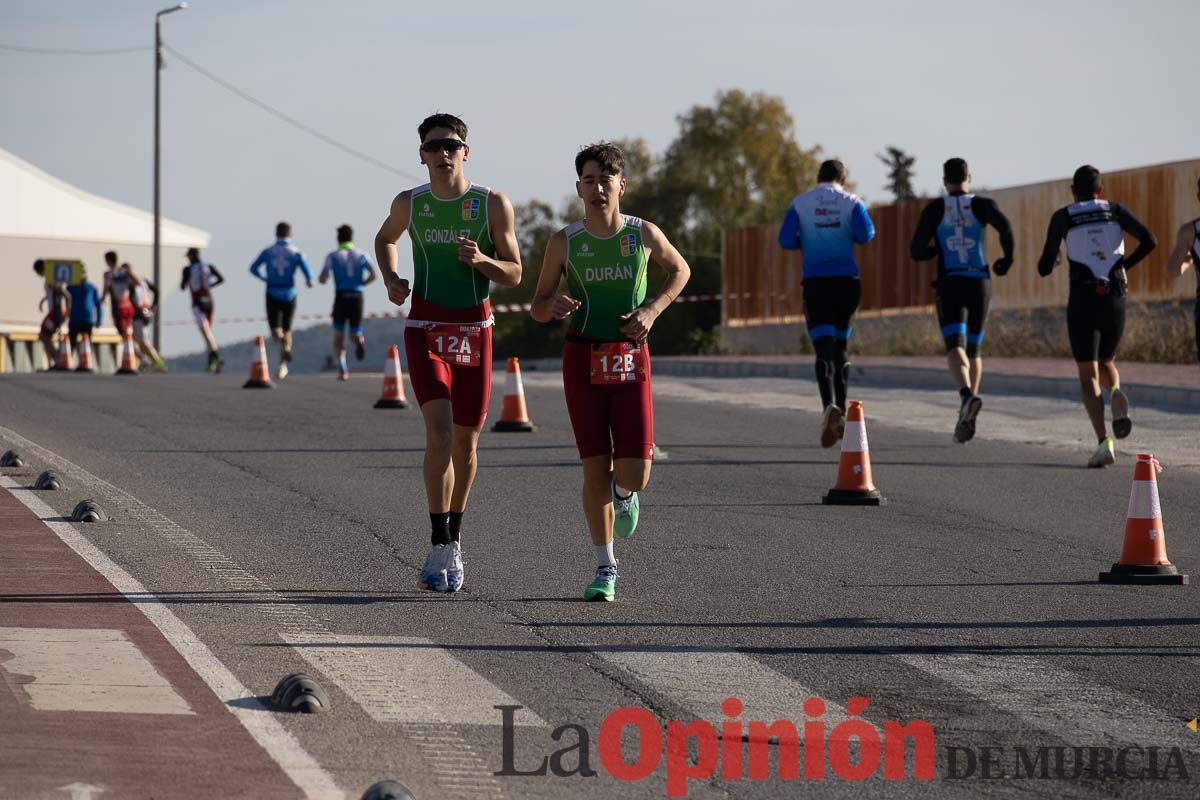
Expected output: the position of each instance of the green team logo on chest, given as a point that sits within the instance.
(435, 227)
(607, 276)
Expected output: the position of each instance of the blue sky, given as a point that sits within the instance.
(1024, 90)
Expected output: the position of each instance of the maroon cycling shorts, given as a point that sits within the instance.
(614, 419)
(468, 388)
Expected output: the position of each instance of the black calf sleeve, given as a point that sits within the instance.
(824, 371)
(841, 380)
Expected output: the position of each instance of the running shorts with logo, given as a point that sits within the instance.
(611, 414)
(451, 299)
(962, 309)
(1095, 322)
(280, 313)
(348, 310)
(829, 306)
(462, 377)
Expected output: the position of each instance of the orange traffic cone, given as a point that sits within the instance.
(129, 359)
(85, 354)
(854, 486)
(514, 418)
(393, 382)
(1144, 555)
(260, 370)
(63, 362)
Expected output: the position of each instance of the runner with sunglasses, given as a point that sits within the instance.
(462, 239)
(606, 362)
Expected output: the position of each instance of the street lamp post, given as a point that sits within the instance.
(158, 65)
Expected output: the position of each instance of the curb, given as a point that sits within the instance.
(1171, 398)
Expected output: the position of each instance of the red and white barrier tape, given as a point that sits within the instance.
(498, 308)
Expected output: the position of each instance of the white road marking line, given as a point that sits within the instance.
(1055, 700)
(289, 617)
(86, 669)
(700, 682)
(280, 745)
(408, 680)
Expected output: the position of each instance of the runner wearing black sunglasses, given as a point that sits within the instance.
(463, 240)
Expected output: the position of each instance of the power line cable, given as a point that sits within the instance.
(345, 148)
(58, 51)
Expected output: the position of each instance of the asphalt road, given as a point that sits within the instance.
(286, 527)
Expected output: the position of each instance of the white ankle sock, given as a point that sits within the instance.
(604, 554)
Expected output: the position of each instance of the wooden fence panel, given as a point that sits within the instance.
(761, 281)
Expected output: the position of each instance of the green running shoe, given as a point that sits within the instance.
(603, 588)
(625, 511)
(1104, 455)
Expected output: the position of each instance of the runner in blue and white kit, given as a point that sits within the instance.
(951, 230)
(826, 223)
(280, 262)
(351, 271)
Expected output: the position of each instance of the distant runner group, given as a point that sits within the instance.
(828, 222)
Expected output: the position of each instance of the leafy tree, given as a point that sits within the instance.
(733, 163)
(900, 173)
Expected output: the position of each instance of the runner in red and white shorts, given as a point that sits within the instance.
(143, 317)
(606, 360)
(118, 284)
(463, 240)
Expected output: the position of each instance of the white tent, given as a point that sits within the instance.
(44, 217)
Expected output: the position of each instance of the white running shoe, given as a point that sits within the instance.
(433, 573)
(1121, 423)
(454, 568)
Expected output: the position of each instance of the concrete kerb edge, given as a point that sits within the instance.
(1172, 398)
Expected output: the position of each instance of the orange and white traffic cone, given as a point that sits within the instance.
(1144, 554)
(854, 486)
(514, 418)
(62, 363)
(129, 359)
(86, 364)
(393, 382)
(260, 370)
